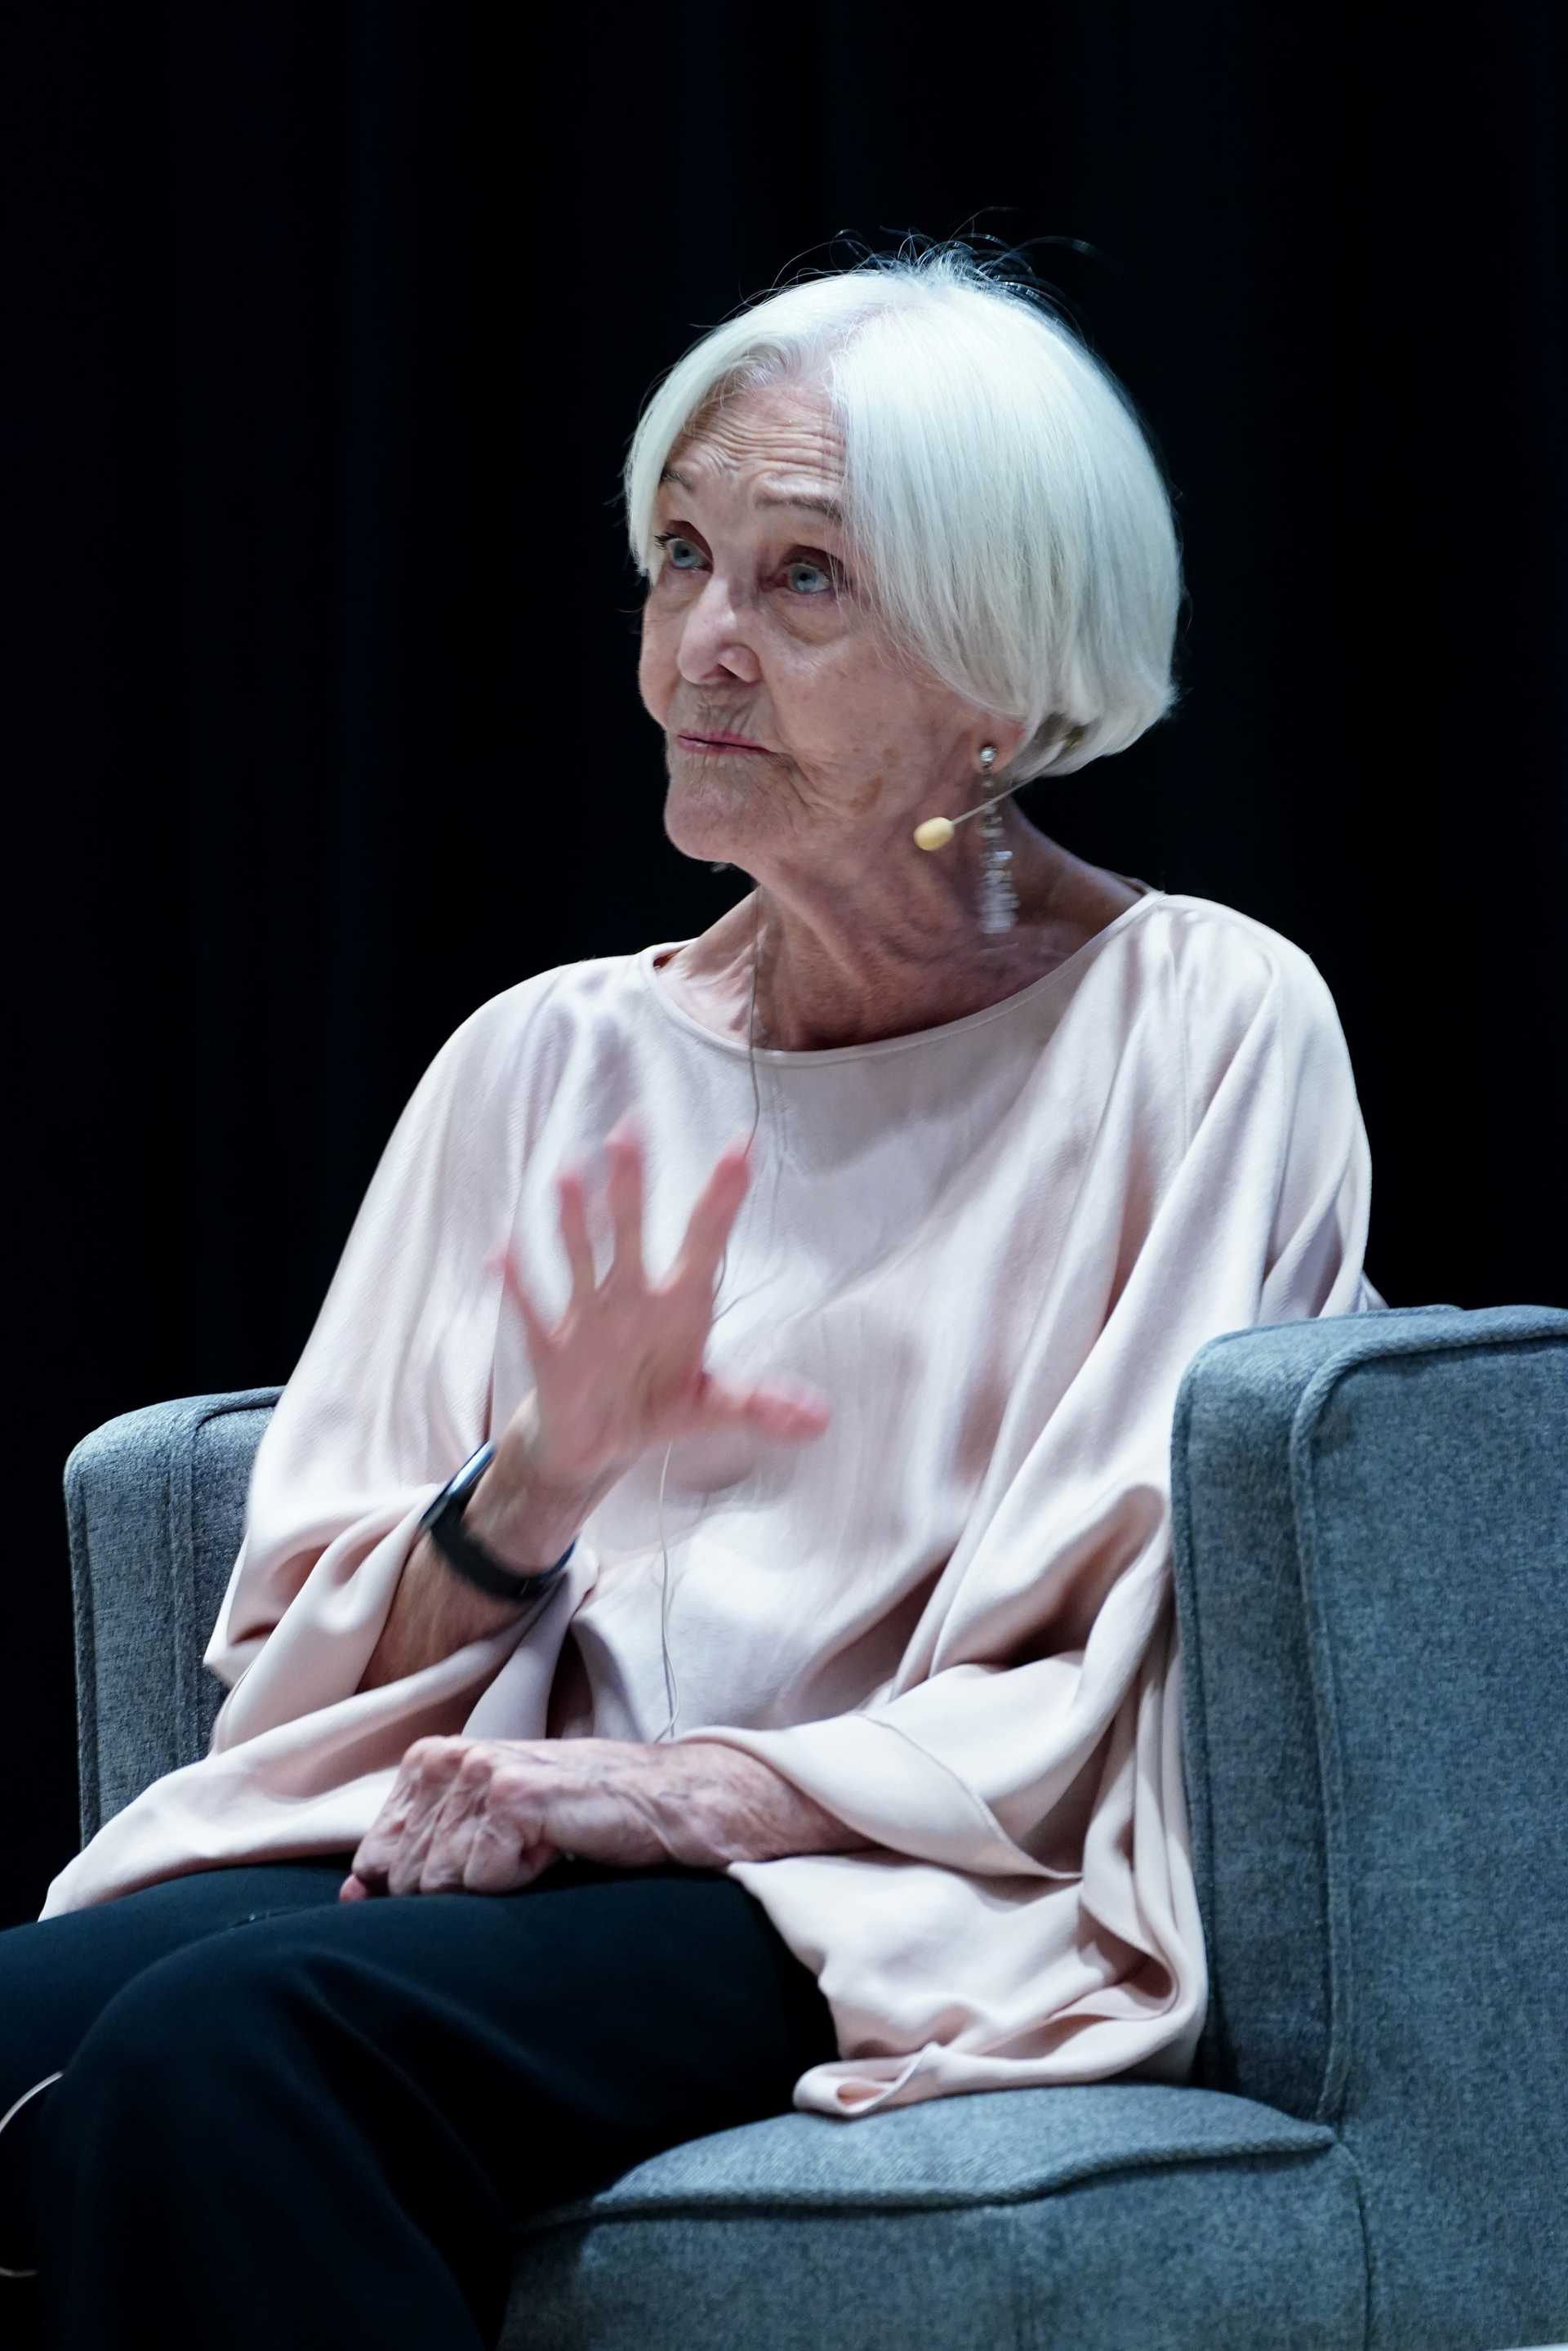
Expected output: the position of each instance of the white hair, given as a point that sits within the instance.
(1001, 499)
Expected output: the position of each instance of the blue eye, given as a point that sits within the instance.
(830, 570)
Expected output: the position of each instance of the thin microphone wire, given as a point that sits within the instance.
(1005, 794)
(671, 1686)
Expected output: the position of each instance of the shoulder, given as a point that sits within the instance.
(539, 1020)
(1229, 966)
(1257, 1025)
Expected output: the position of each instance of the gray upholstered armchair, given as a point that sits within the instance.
(1371, 1560)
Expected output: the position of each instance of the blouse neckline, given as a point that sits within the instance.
(787, 1056)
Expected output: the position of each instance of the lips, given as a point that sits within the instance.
(722, 742)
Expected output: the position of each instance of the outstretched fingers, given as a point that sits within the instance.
(777, 1407)
(713, 1219)
(501, 1261)
(624, 1145)
(573, 1222)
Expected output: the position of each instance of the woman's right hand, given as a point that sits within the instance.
(623, 1370)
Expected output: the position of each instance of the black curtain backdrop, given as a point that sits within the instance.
(328, 326)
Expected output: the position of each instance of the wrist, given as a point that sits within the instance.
(524, 1520)
(714, 1804)
(532, 1463)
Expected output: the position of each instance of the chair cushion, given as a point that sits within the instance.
(1101, 2216)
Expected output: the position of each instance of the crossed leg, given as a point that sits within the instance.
(324, 2127)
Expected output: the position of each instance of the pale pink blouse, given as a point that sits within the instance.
(996, 1245)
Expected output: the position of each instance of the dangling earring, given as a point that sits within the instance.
(998, 898)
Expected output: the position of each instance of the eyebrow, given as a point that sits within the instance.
(828, 507)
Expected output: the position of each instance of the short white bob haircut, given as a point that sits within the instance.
(1001, 499)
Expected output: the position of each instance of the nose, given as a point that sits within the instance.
(714, 639)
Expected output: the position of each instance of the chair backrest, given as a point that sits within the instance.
(1370, 1527)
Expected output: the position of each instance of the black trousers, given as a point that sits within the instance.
(283, 2119)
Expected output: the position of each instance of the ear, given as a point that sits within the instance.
(1009, 738)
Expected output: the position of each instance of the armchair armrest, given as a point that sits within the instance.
(155, 1504)
(1370, 1528)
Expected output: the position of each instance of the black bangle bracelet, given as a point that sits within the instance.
(443, 1521)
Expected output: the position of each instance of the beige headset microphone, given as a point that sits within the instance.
(937, 831)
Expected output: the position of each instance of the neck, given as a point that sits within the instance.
(829, 972)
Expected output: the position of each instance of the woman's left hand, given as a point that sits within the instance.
(488, 1815)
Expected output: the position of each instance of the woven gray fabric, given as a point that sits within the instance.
(1371, 1565)
(1113, 2214)
(1372, 1568)
(1133, 2246)
(155, 1503)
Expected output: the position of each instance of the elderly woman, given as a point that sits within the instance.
(706, 1641)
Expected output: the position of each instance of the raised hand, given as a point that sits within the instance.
(623, 1370)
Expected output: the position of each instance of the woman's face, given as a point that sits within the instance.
(752, 625)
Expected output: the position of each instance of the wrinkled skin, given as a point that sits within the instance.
(489, 1815)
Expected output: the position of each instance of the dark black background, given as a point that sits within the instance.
(326, 329)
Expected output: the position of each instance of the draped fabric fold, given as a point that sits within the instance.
(1031, 1731)
(390, 1396)
(996, 1246)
